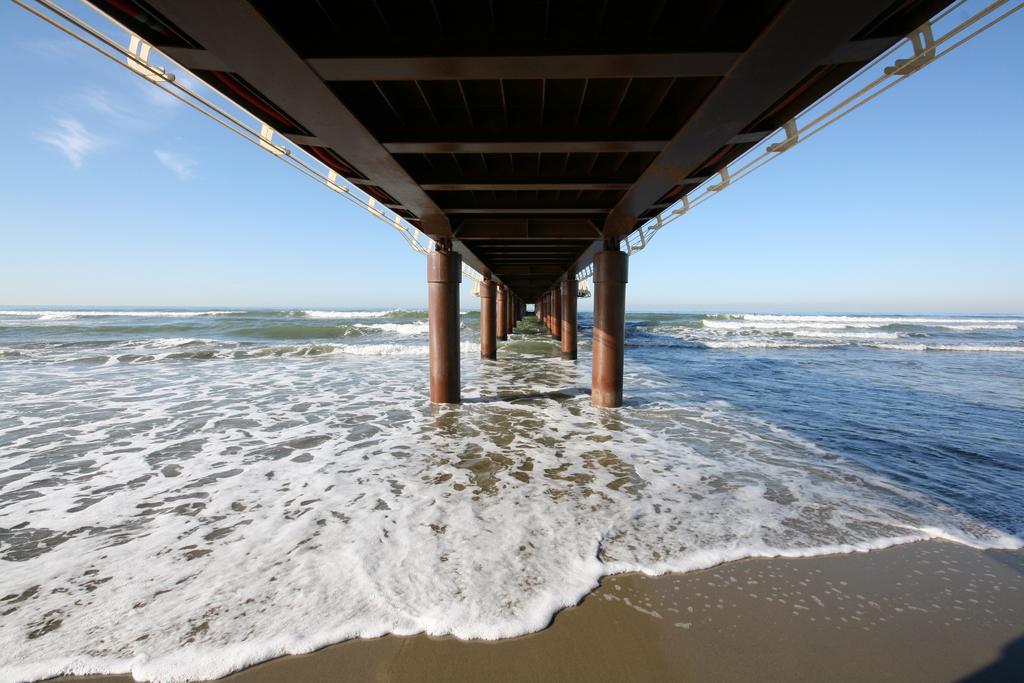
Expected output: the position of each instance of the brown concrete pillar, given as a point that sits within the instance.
(510, 315)
(444, 273)
(556, 318)
(537, 313)
(502, 313)
(488, 324)
(610, 277)
(568, 293)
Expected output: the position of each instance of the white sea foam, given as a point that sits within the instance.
(756, 331)
(73, 314)
(180, 349)
(843, 334)
(395, 349)
(347, 315)
(763, 344)
(963, 348)
(848, 324)
(809, 341)
(977, 328)
(859, 320)
(788, 325)
(171, 343)
(409, 329)
(201, 522)
(783, 344)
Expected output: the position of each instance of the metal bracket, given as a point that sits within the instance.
(267, 142)
(139, 61)
(924, 52)
(718, 187)
(792, 137)
(370, 204)
(684, 208)
(332, 182)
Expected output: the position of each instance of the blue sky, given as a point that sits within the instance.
(114, 194)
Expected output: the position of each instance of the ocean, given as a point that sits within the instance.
(184, 493)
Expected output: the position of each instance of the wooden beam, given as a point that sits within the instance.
(477, 68)
(558, 147)
(801, 37)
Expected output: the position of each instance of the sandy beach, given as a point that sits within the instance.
(930, 611)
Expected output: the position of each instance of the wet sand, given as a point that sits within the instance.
(930, 611)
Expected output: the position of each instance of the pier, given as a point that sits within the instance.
(529, 143)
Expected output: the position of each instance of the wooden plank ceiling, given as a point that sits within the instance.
(526, 132)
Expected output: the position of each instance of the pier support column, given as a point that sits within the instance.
(502, 313)
(569, 292)
(444, 273)
(556, 318)
(488, 322)
(537, 310)
(547, 310)
(610, 277)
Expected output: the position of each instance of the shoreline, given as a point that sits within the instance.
(924, 611)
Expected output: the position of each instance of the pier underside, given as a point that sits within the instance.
(525, 137)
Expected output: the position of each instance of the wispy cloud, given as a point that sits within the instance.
(179, 164)
(60, 48)
(73, 140)
(121, 111)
